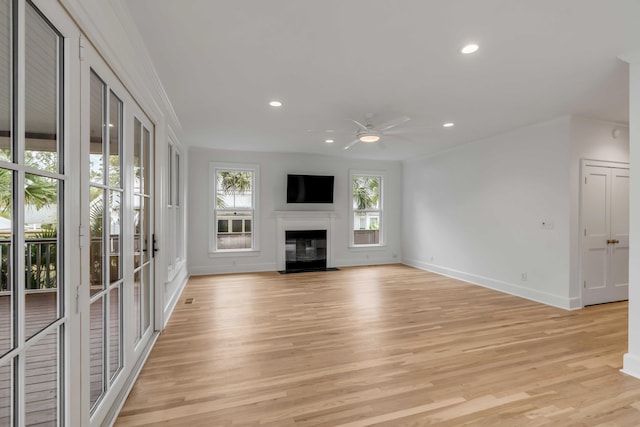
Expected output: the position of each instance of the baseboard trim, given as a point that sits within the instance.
(206, 270)
(631, 365)
(365, 262)
(497, 285)
(168, 310)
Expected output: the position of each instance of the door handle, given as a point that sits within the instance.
(612, 242)
(609, 241)
(154, 247)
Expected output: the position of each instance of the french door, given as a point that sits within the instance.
(35, 193)
(605, 240)
(117, 221)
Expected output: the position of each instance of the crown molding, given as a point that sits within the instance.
(115, 37)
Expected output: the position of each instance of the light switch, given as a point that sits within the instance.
(547, 224)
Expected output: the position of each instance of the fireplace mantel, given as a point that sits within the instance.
(303, 220)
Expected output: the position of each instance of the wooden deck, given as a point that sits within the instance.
(384, 346)
(41, 386)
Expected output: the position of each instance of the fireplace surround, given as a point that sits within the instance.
(303, 221)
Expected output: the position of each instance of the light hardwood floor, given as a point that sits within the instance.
(388, 346)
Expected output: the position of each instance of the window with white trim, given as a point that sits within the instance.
(175, 210)
(366, 209)
(234, 201)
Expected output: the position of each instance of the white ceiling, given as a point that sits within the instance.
(221, 62)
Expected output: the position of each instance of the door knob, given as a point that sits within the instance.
(615, 242)
(609, 241)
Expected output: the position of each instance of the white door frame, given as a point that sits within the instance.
(583, 164)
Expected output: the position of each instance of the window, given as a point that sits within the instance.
(366, 195)
(234, 207)
(175, 212)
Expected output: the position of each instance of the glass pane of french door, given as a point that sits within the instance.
(32, 251)
(105, 247)
(143, 237)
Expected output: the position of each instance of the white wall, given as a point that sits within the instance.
(632, 358)
(592, 140)
(273, 171)
(475, 212)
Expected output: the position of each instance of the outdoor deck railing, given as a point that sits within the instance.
(40, 264)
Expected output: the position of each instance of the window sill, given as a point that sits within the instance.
(367, 248)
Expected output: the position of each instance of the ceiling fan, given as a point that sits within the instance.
(368, 133)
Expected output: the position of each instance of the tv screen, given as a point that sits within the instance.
(309, 189)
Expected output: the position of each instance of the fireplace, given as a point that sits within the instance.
(305, 250)
(305, 222)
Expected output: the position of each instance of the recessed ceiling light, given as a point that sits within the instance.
(448, 125)
(470, 48)
(329, 141)
(275, 103)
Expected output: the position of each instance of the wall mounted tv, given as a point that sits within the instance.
(309, 189)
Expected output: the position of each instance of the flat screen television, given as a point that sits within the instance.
(309, 189)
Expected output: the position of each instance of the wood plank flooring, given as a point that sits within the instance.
(384, 346)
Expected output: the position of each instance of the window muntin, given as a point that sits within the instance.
(366, 195)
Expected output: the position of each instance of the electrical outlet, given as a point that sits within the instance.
(523, 277)
(547, 224)
(431, 259)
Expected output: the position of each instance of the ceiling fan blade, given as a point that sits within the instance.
(392, 123)
(351, 144)
(399, 136)
(363, 127)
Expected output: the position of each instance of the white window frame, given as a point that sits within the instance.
(214, 167)
(175, 208)
(352, 210)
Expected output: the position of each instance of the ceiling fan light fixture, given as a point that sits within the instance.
(369, 136)
(470, 48)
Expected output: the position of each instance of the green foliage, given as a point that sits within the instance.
(366, 192)
(232, 184)
(96, 215)
(38, 191)
(42, 260)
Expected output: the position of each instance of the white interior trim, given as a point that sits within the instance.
(303, 220)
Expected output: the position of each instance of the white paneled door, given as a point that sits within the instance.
(605, 232)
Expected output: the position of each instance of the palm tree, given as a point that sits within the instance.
(38, 191)
(233, 183)
(366, 192)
